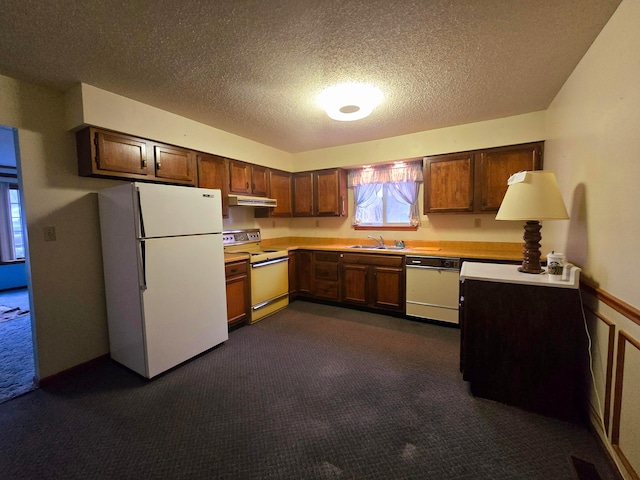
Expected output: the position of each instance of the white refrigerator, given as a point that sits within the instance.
(164, 274)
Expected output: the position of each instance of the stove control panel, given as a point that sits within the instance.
(240, 237)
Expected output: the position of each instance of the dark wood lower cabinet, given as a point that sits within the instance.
(238, 293)
(526, 346)
(375, 281)
(326, 275)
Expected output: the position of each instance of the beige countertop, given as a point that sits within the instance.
(235, 257)
(472, 250)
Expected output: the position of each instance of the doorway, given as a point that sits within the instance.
(17, 359)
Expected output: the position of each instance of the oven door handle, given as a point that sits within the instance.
(269, 262)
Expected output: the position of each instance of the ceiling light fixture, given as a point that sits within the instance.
(350, 101)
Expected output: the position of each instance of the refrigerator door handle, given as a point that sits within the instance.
(142, 265)
(140, 217)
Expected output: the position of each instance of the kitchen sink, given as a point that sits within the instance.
(376, 247)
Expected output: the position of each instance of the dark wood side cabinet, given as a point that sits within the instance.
(212, 173)
(238, 292)
(475, 181)
(523, 344)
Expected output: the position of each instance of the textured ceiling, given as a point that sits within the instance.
(254, 67)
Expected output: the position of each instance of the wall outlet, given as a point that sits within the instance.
(477, 222)
(317, 223)
(49, 234)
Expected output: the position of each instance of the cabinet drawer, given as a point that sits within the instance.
(326, 271)
(326, 289)
(327, 256)
(382, 260)
(235, 268)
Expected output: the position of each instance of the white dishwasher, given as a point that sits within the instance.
(433, 285)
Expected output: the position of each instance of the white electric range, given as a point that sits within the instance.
(269, 273)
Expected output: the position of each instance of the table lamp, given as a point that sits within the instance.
(532, 196)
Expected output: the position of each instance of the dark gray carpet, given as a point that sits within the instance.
(313, 392)
(16, 348)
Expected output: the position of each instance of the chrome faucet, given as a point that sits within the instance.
(380, 242)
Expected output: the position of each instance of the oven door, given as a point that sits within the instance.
(269, 287)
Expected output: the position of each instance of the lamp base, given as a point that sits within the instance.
(531, 248)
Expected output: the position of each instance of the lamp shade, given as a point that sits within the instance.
(532, 196)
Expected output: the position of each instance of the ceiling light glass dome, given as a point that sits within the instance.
(350, 101)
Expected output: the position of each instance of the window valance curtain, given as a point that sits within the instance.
(393, 173)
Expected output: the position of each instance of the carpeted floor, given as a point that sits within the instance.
(312, 392)
(16, 346)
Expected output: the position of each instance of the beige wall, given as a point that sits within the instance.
(504, 131)
(592, 145)
(67, 287)
(88, 105)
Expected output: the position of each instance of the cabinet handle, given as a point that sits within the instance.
(158, 165)
(246, 185)
(144, 163)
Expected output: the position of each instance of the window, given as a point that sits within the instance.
(386, 196)
(11, 234)
(16, 223)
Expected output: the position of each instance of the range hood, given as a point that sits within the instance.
(248, 201)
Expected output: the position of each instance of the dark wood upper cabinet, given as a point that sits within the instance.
(247, 179)
(331, 192)
(280, 188)
(212, 173)
(303, 196)
(475, 181)
(320, 193)
(448, 184)
(498, 164)
(175, 164)
(239, 177)
(259, 180)
(103, 153)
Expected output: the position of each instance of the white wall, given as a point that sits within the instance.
(592, 145)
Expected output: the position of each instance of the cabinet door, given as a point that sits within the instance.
(212, 173)
(355, 283)
(280, 189)
(448, 183)
(303, 194)
(239, 177)
(259, 180)
(326, 274)
(388, 290)
(237, 282)
(330, 190)
(305, 267)
(118, 155)
(498, 164)
(175, 164)
(293, 275)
